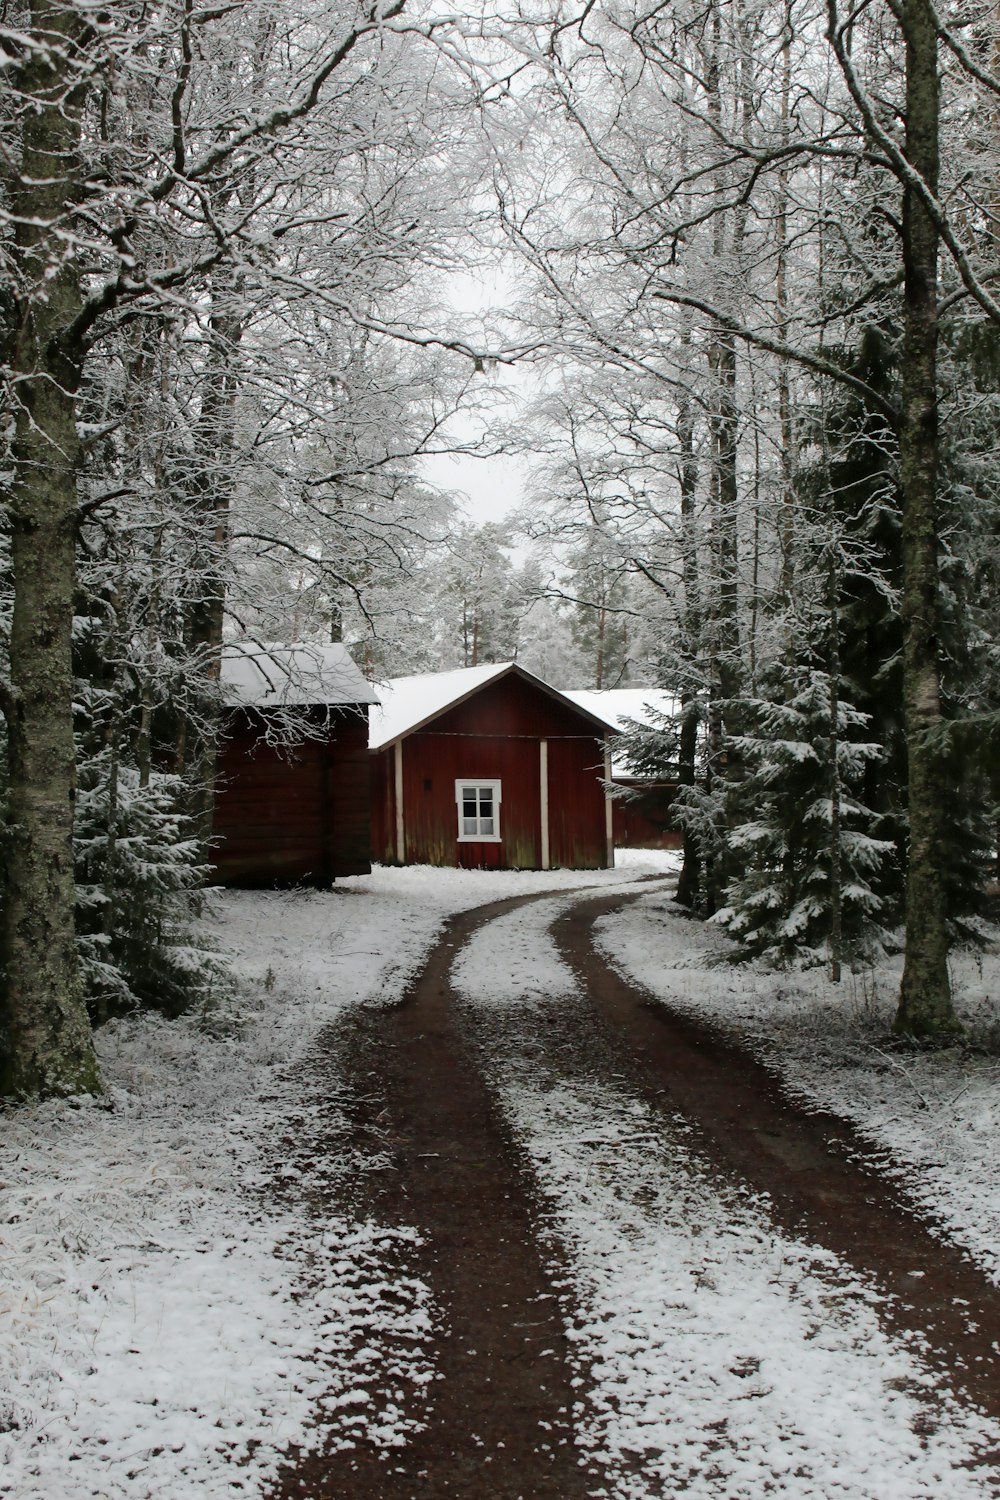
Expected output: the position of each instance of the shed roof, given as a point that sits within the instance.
(408, 703)
(618, 704)
(265, 674)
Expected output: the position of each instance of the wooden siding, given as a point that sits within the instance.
(495, 736)
(432, 763)
(293, 815)
(383, 807)
(577, 817)
(512, 706)
(645, 822)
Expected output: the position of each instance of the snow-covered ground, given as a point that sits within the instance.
(719, 1355)
(933, 1118)
(171, 1319)
(165, 1331)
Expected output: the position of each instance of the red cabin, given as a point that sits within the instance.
(488, 767)
(292, 798)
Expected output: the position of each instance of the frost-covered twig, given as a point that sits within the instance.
(891, 1061)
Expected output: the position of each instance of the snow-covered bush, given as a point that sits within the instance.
(139, 893)
(807, 862)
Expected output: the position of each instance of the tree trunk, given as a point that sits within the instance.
(212, 494)
(787, 456)
(602, 620)
(725, 526)
(47, 1048)
(836, 790)
(689, 884)
(925, 1004)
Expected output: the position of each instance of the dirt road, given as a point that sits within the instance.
(503, 1414)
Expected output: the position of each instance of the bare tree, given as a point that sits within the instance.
(151, 166)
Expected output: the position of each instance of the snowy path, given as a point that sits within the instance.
(273, 1262)
(727, 1357)
(173, 1316)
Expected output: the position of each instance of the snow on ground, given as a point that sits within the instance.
(526, 966)
(167, 1328)
(717, 1355)
(165, 1331)
(932, 1118)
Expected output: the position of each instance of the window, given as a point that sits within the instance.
(478, 811)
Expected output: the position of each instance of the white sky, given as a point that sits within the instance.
(493, 487)
(490, 487)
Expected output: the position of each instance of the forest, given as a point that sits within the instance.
(747, 349)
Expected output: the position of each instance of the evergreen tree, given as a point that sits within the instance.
(808, 861)
(138, 859)
(139, 887)
(856, 485)
(600, 588)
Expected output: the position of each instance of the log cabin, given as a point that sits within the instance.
(292, 797)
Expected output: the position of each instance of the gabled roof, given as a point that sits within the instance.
(264, 674)
(408, 703)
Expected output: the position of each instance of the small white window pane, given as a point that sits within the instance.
(478, 810)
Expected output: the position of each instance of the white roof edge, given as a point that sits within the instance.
(408, 703)
(621, 704)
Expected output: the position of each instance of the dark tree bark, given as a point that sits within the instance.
(212, 494)
(689, 884)
(925, 1003)
(47, 1046)
(47, 328)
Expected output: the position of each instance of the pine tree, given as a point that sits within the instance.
(807, 883)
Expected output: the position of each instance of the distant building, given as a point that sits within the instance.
(643, 820)
(488, 767)
(292, 800)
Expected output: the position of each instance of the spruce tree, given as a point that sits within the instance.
(807, 860)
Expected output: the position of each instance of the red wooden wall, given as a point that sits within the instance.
(644, 822)
(495, 735)
(293, 815)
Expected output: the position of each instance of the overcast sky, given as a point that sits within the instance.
(493, 486)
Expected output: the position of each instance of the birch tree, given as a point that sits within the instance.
(707, 201)
(151, 161)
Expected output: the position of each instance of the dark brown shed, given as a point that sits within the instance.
(292, 799)
(488, 766)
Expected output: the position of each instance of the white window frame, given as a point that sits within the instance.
(478, 782)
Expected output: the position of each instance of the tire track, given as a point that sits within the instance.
(819, 1174)
(499, 1415)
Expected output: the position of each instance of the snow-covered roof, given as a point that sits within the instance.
(263, 674)
(615, 705)
(407, 703)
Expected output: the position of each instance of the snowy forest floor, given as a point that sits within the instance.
(503, 1185)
